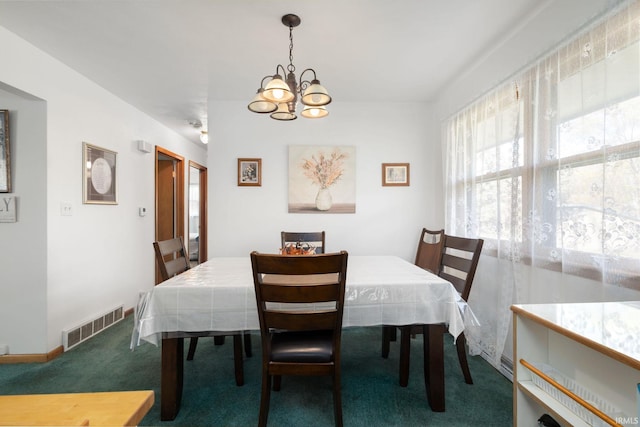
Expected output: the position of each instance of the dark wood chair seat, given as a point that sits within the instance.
(302, 347)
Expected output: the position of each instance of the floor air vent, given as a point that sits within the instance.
(74, 336)
(506, 367)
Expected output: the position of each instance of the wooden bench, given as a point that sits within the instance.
(119, 408)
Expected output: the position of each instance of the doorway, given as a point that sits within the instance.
(169, 195)
(197, 213)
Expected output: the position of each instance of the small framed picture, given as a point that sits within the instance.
(395, 174)
(99, 175)
(249, 172)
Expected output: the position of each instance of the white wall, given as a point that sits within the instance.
(388, 220)
(82, 265)
(23, 289)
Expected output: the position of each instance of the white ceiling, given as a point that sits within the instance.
(169, 57)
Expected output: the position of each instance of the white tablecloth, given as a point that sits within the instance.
(218, 295)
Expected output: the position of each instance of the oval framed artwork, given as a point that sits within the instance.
(99, 175)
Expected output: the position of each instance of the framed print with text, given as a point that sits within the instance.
(99, 175)
(250, 172)
(5, 153)
(395, 174)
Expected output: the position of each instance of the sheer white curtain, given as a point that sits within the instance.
(546, 168)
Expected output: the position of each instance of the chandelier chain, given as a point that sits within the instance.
(291, 68)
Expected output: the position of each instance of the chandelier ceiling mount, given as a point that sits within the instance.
(291, 20)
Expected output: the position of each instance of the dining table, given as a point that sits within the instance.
(218, 296)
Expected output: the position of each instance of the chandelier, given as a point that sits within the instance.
(280, 97)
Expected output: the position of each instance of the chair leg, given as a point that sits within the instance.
(337, 398)
(193, 343)
(387, 331)
(277, 382)
(237, 359)
(405, 354)
(247, 344)
(265, 396)
(433, 354)
(461, 346)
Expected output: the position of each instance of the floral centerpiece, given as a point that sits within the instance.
(298, 248)
(324, 171)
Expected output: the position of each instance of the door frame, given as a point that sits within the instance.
(202, 248)
(178, 199)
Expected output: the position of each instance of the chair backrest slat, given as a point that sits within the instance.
(457, 262)
(458, 282)
(302, 321)
(175, 266)
(460, 261)
(300, 293)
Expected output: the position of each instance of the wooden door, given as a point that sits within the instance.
(169, 191)
(166, 200)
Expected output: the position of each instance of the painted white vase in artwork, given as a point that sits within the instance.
(323, 200)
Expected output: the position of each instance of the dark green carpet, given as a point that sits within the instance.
(371, 395)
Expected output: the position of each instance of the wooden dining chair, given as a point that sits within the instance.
(173, 259)
(459, 263)
(299, 341)
(428, 257)
(313, 239)
(460, 257)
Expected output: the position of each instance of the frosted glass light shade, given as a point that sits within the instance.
(277, 90)
(311, 112)
(315, 95)
(204, 137)
(260, 105)
(283, 113)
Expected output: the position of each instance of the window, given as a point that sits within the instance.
(547, 168)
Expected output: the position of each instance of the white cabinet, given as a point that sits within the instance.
(579, 363)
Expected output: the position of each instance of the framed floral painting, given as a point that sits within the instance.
(322, 179)
(249, 172)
